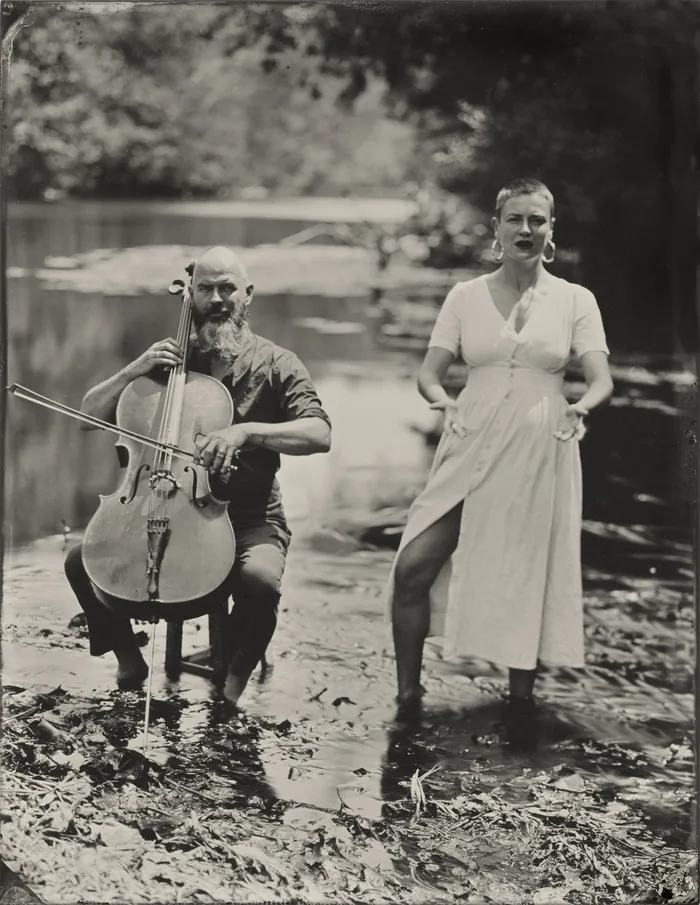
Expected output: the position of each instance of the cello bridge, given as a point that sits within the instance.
(164, 483)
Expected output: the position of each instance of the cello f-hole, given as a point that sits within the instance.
(134, 486)
(200, 504)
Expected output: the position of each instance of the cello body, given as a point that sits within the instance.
(162, 544)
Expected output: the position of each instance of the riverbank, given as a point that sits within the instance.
(314, 792)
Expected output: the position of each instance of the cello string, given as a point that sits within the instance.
(167, 399)
(168, 410)
(178, 371)
(178, 382)
(149, 688)
(163, 458)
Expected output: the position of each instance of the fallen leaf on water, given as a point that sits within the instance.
(253, 853)
(159, 866)
(549, 894)
(74, 760)
(61, 818)
(572, 783)
(58, 692)
(47, 732)
(377, 857)
(118, 835)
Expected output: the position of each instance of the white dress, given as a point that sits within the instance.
(511, 593)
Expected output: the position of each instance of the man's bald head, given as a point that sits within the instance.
(220, 260)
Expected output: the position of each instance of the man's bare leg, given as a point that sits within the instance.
(132, 669)
(108, 630)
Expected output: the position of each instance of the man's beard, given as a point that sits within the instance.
(222, 339)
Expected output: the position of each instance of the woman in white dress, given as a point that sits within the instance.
(490, 557)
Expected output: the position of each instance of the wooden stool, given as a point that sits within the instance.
(212, 661)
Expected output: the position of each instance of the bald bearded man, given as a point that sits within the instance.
(277, 410)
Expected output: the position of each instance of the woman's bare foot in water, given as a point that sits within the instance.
(132, 671)
(409, 703)
(234, 687)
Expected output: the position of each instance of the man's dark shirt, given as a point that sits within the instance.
(267, 384)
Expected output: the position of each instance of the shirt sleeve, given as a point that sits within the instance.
(447, 332)
(589, 333)
(298, 396)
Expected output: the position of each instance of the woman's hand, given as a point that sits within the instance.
(216, 451)
(575, 427)
(452, 425)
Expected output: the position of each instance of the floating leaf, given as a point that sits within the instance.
(572, 783)
(117, 835)
(75, 760)
(548, 894)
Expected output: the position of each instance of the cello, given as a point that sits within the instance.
(162, 544)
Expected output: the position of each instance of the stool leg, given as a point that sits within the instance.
(173, 650)
(217, 642)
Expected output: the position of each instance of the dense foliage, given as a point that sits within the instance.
(188, 101)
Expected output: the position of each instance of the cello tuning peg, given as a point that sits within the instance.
(176, 287)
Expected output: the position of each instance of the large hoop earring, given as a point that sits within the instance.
(497, 256)
(554, 253)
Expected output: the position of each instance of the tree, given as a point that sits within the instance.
(600, 101)
(186, 100)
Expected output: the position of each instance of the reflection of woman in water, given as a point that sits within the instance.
(492, 545)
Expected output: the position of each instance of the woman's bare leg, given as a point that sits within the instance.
(417, 567)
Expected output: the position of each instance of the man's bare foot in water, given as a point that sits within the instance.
(132, 671)
(234, 687)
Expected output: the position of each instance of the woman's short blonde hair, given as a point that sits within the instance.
(522, 187)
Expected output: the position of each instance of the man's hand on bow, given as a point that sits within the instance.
(217, 450)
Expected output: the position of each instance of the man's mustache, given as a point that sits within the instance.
(237, 314)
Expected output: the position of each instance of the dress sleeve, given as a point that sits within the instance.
(298, 396)
(589, 333)
(447, 332)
